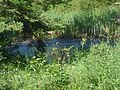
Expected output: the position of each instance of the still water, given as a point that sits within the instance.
(29, 48)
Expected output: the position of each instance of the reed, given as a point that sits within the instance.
(100, 22)
(84, 21)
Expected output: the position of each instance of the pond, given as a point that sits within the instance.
(54, 47)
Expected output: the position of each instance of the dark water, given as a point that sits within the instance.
(22, 48)
(62, 43)
(29, 48)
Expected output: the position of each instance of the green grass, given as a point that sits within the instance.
(98, 69)
(83, 19)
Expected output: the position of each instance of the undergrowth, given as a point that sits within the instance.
(97, 70)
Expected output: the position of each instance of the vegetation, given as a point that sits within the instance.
(95, 69)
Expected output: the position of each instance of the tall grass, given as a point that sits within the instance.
(97, 22)
(88, 18)
(97, 70)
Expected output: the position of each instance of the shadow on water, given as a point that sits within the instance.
(56, 48)
(62, 49)
(26, 48)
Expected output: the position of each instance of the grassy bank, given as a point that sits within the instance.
(84, 20)
(98, 69)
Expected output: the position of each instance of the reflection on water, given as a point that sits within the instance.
(62, 43)
(25, 49)
(29, 48)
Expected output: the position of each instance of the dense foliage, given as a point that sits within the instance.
(25, 18)
(96, 69)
